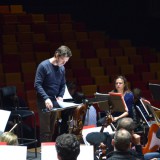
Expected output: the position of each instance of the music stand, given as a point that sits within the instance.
(151, 109)
(103, 105)
(117, 102)
(155, 91)
(144, 105)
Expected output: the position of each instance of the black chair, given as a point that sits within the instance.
(10, 101)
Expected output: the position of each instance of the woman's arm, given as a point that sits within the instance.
(124, 114)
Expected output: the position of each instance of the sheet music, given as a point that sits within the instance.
(8, 152)
(102, 94)
(66, 104)
(4, 116)
(67, 94)
(62, 106)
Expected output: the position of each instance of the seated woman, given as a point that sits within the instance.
(121, 86)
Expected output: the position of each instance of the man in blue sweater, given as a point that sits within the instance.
(50, 86)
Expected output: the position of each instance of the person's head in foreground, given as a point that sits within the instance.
(9, 137)
(67, 146)
(126, 123)
(122, 140)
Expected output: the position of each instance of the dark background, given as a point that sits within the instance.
(138, 20)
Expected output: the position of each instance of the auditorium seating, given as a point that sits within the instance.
(89, 90)
(23, 28)
(112, 70)
(107, 61)
(120, 60)
(90, 62)
(129, 51)
(96, 60)
(4, 9)
(101, 80)
(16, 9)
(97, 71)
(135, 59)
(154, 67)
(102, 52)
(116, 52)
(125, 43)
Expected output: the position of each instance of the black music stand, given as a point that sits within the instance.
(144, 105)
(103, 105)
(115, 102)
(155, 91)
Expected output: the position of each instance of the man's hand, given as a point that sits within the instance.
(136, 139)
(48, 104)
(103, 148)
(59, 98)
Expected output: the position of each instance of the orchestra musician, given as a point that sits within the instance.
(121, 86)
(67, 147)
(126, 123)
(50, 86)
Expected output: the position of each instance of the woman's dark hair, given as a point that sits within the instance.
(126, 89)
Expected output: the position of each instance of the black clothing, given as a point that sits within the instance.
(129, 155)
(116, 155)
(95, 138)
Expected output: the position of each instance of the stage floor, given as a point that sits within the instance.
(31, 154)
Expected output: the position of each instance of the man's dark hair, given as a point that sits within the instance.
(67, 146)
(122, 140)
(64, 51)
(126, 123)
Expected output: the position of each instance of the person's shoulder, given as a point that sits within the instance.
(46, 61)
(129, 93)
(114, 155)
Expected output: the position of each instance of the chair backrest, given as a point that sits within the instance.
(8, 91)
(8, 98)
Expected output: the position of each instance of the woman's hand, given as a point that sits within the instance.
(115, 119)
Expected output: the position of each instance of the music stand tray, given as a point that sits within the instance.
(155, 91)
